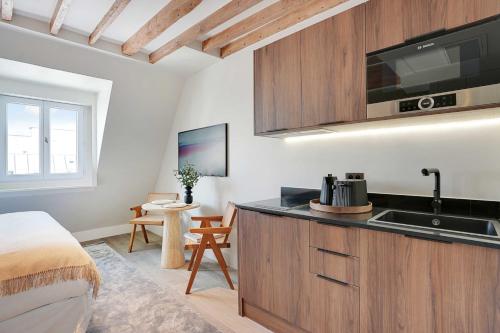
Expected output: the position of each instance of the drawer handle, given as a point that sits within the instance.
(333, 252)
(332, 280)
(428, 239)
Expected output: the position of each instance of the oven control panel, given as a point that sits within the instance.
(428, 103)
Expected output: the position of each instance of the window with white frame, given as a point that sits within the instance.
(42, 140)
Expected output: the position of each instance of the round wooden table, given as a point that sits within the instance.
(172, 247)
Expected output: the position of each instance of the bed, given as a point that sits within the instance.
(47, 280)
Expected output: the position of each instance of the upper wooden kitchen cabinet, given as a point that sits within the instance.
(384, 24)
(333, 69)
(277, 88)
(392, 22)
(313, 77)
(463, 12)
(422, 17)
(416, 285)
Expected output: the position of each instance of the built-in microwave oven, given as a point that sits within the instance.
(453, 70)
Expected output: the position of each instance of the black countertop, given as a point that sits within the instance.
(275, 207)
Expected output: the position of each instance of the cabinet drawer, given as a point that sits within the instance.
(335, 307)
(334, 238)
(335, 266)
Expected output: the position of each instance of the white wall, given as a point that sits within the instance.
(468, 158)
(143, 100)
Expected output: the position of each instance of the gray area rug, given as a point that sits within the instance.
(130, 302)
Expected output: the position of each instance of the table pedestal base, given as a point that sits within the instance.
(172, 249)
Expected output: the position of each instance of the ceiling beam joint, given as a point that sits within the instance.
(167, 16)
(114, 11)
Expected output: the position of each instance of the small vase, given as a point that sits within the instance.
(188, 198)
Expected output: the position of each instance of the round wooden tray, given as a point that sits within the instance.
(314, 204)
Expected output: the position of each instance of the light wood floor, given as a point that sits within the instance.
(211, 296)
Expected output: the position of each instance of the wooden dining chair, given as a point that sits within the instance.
(147, 219)
(209, 237)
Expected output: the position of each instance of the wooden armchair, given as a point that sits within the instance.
(215, 238)
(146, 219)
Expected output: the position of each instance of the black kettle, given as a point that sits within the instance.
(326, 197)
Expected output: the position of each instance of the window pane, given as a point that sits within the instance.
(63, 141)
(23, 135)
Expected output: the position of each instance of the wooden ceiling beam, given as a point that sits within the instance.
(167, 16)
(116, 8)
(266, 15)
(7, 8)
(60, 12)
(304, 12)
(220, 16)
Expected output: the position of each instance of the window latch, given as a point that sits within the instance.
(46, 140)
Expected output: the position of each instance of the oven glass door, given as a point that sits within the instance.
(459, 60)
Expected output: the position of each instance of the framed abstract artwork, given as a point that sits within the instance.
(205, 148)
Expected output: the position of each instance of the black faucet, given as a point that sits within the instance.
(436, 203)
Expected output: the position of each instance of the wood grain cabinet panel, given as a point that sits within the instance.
(274, 265)
(277, 87)
(339, 267)
(334, 238)
(333, 69)
(392, 22)
(422, 17)
(254, 258)
(335, 307)
(463, 12)
(415, 285)
(384, 24)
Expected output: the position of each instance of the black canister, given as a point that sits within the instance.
(326, 197)
(351, 192)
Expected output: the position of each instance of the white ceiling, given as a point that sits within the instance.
(84, 15)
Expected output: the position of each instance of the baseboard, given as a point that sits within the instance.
(87, 235)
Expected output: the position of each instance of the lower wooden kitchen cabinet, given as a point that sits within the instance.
(281, 289)
(416, 285)
(274, 278)
(303, 276)
(334, 306)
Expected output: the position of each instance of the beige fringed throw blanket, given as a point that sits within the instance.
(36, 251)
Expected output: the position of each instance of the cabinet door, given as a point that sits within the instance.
(254, 258)
(277, 89)
(395, 290)
(274, 265)
(392, 22)
(335, 306)
(333, 69)
(422, 17)
(384, 24)
(463, 12)
(290, 271)
(415, 285)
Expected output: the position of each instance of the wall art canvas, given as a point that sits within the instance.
(206, 149)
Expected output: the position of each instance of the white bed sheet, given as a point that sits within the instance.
(60, 307)
(14, 305)
(66, 316)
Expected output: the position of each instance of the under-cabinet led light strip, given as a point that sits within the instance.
(466, 124)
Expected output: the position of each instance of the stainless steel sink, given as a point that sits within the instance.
(442, 223)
